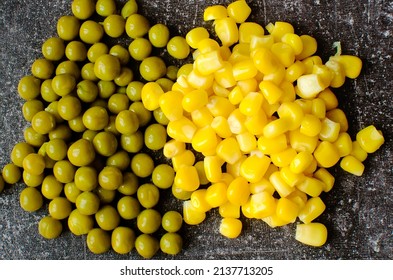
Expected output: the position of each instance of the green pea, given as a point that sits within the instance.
(142, 165)
(107, 217)
(56, 149)
(30, 199)
(171, 243)
(118, 102)
(130, 184)
(147, 245)
(30, 108)
(52, 108)
(95, 118)
(107, 67)
(165, 83)
(111, 127)
(178, 47)
(29, 87)
(63, 84)
(76, 51)
(105, 143)
(149, 221)
(137, 26)
(123, 240)
(33, 138)
(144, 115)
(51, 187)
(83, 9)
(155, 136)
(127, 122)
(64, 171)
(172, 221)
(81, 153)
(140, 48)
(171, 72)
(160, 117)
(60, 208)
(128, 207)
(134, 90)
(96, 50)
(87, 91)
(19, 152)
(80, 224)
(159, 35)
(87, 72)
(68, 27)
(106, 89)
(61, 131)
(106, 196)
(152, 68)
(114, 25)
(49, 227)
(91, 32)
(43, 122)
(121, 53)
(98, 241)
(34, 164)
(87, 203)
(31, 180)
(86, 178)
(69, 107)
(120, 159)
(71, 191)
(11, 174)
(163, 176)
(42, 68)
(47, 92)
(125, 77)
(129, 8)
(148, 195)
(68, 67)
(105, 8)
(53, 49)
(110, 178)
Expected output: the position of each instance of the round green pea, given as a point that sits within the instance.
(86, 178)
(172, 221)
(68, 67)
(152, 68)
(140, 48)
(30, 108)
(64, 171)
(171, 243)
(33, 138)
(71, 192)
(143, 114)
(88, 203)
(146, 245)
(53, 49)
(149, 221)
(56, 149)
(31, 199)
(31, 180)
(148, 195)
(123, 240)
(106, 196)
(63, 84)
(134, 90)
(142, 165)
(47, 92)
(76, 51)
(42, 68)
(130, 184)
(29, 87)
(118, 102)
(80, 224)
(91, 32)
(69, 107)
(120, 159)
(129, 8)
(87, 91)
(128, 207)
(110, 178)
(132, 143)
(137, 26)
(127, 122)
(49, 227)
(87, 72)
(106, 89)
(107, 67)
(159, 35)
(114, 25)
(95, 118)
(11, 174)
(68, 27)
(83, 9)
(98, 241)
(107, 217)
(96, 50)
(163, 176)
(155, 136)
(51, 187)
(60, 208)
(105, 143)
(121, 53)
(105, 8)
(81, 152)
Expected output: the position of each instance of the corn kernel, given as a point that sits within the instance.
(325, 176)
(310, 62)
(270, 109)
(310, 85)
(229, 210)
(275, 128)
(212, 166)
(283, 158)
(182, 129)
(205, 139)
(284, 53)
(310, 125)
(182, 85)
(229, 150)
(215, 12)
(262, 205)
(227, 178)
(311, 186)
(338, 73)
(186, 158)
(305, 104)
(280, 185)
(248, 85)
(324, 73)
(301, 142)
(253, 168)
(343, 144)
(246, 210)
(193, 100)
(220, 106)
(170, 104)
(235, 95)
(220, 90)
(247, 30)
(179, 193)
(300, 162)
(294, 41)
(201, 117)
(224, 76)
(234, 169)
(200, 167)
(329, 130)
(199, 81)
(352, 64)
(287, 210)
(150, 95)
(198, 201)
(273, 145)
(236, 121)
(290, 177)
(173, 148)
(209, 62)
(326, 154)
(238, 191)
(239, 11)
(265, 61)
(256, 123)
(244, 70)
(190, 215)
(221, 127)
(289, 94)
(337, 115)
(311, 168)
(358, 152)
(225, 52)
(265, 41)
(298, 197)
(270, 91)
(274, 221)
(352, 165)
(313, 234)
(279, 29)
(208, 45)
(187, 178)
(292, 112)
(309, 47)
(240, 52)
(247, 141)
(313, 209)
(262, 186)
(226, 30)
(318, 108)
(370, 139)
(195, 35)
(294, 71)
(230, 227)
(329, 98)
(251, 103)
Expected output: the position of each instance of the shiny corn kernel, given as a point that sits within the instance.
(329, 98)
(314, 208)
(171, 105)
(213, 170)
(274, 221)
(251, 103)
(265, 61)
(358, 152)
(318, 108)
(204, 140)
(195, 35)
(238, 191)
(224, 76)
(220, 90)
(310, 85)
(294, 41)
(182, 130)
(200, 167)
(187, 178)
(292, 112)
(283, 158)
(216, 194)
(236, 120)
(239, 11)
(275, 128)
(287, 210)
(300, 162)
(294, 71)
(329, 130)
(247, 30)
(220, 106)
(230, 227)
(150, 95)
(324, 73)
(196, 80)
(338, 73)
(298, 197)
(229, 210)
(198, 200)
(311, 168)
(343, 144)
(310, 125)
(337, 115)
(179, 193)
(282, 188)
(247, 141)
(262, 186)
(236, 95)
(276, 77)
(193, 100)
(284, 53)
(305, 104)
(289, 93)
(309, 47)
(352, 64)
(209, 62)
(229, 150)
(256, 123)
(270, 91)
(301, 142)
(201, 117)
(226, 30)
(325, 176)
(352, 165)
(291, 178)
(370, 139)
(311, 186)
(246, 210)
(240, 52)
(181, 85)
(326, 154)
(215, 12)
(279, 29)
(190, 215)
(227, 178)
(265, 41)
(234, 169)
(262, 205)
(244, 70)
(185, 158)
(221, 127)
(312, 234)
(254, 167)
(273, 145)
(173, 148)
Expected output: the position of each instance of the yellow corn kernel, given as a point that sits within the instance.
(243, 70)
(280, 185)
(248, 85)
(236, 95)
(274, 221)
(283, 158)
(370, 139)
(276, 77)
(310, 85)
(329, 98)
(338, 73)
(274, 145)
(310, 62)
(200, 167)
(186, 158)
(182, 129)
(275, 128)
(193, 100)
(262, 186)
(246, 210)
(298, 197)
(209, 62)
(279, 29)
(251, 103)
(173, 148)
(216, 194)
(256, 123)
(239, 11)
(254, 167)
(181, 85)
(227, 178)
(305, 104)
(247, 141)
(212, 165)
(198, 201)
(265, 61)
(240, 52)
(311, 168)
(292, 112)
(229, 210)
(215, 12)
(311, 186)
(205, 139)
(284, 53)
(270, 170)
(201, 117)
(270, 91)
(270, 110)
(312, 234)
(318, 108)
(262, 205)
(325, 176)
(224, 76)
(287, 210)
(309, 47)
(294, 41)
(293, 72)
(179, 193)
(343, 144)
(265, 41)
(234, 169)
(300, 162)
(290, 177)
(198, 81)
(326, 154)
(352, 165)
(329, 130)
(310, 125)
(247, 30)
(170, 103)
(225, 52)
(220, 106)
(184, 70)
(195, 35)
(221, 127)
(238, 191)
(150, 95)
(314, 208)
(236, 121)
(230, 227)
(219, 90)
(324, 73)
(289, 94)
(337, 115)
(358, 152)
(229, 150)
(226, 30)
(301, 142)
(208, 45)
(190, 215)
(187, 178)
(352, 64)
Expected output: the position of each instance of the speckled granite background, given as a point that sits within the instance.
(359, 210)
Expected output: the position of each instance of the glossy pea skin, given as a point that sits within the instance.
(121, 53)
(106, 89)
(11, 174)
(76, 51)
(83, 9)
(171, 243)
(47, 92)
(91, 32)
(98, 241)
(86, 178)
(87, 72)
(155, 136)
(43, 122)
(30, 108)
(107, 217)
(105, 8)
(152, 68)
(110, 178)
(118, 102)
(52, 109)
(56, 149)
(49, 227)
(105, 143)
(163, 176)
(87, 91)
(68, 27)
(127, 122)
(120, 159)
(125, 77)
(51, 187)
(69, 107)
(146, 245)
(42, 68)
(81, 153)
(29, 87)
(130, 184)
(129, 8)
(142, 165)
(123, 240)
(178, 47)
(61, 131)
(95, 118)
(111, 127)
(172, 221)
(59, 208)
(34, 164)
(128, 207)
(63, 84)
(33, 138)
(31, 199)
(132, 143)
(114, 25)
(31, 180)
(160, 117)
(137, 26)
(148, 195)
(107, 67)
(53, 49)
(88, 203)
(143, 114)
(96, 50)
(64, 171)
(105, 196)
(140, 48)
(78, 223)
(68, 67)
(134, 90)
(149, 221)
(159, 35)
(71, 191)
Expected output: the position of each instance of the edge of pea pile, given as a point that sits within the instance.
(250, 128)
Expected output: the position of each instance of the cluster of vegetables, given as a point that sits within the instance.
(258, 108)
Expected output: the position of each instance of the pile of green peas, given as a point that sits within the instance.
(88, 147)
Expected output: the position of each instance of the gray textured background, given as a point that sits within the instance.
(359, 210)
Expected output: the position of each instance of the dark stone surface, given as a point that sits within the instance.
(359, 209)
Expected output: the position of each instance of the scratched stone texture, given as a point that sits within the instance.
(359, 209)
